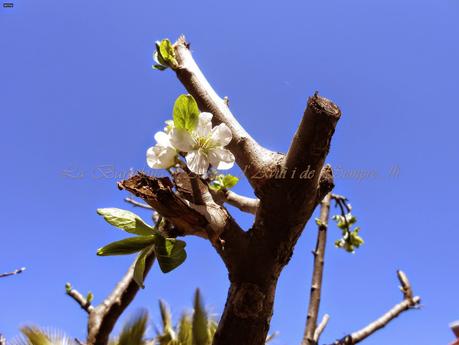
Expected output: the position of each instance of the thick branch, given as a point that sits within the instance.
(103, 318)
(250, 156)
(158, 193)
(80, 299)
(317, 274)
(210, 221)
(313, 135)
(409, 302)
(7, 274)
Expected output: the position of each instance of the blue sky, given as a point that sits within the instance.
(78, 93)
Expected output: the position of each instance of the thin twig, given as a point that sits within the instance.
(320, 327)
(243, 203)
(138, 204)
(7, 274)
(409, 302)
(79, 298)
(103, 318)
(316, 284)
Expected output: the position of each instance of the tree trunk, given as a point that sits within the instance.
(247, 314)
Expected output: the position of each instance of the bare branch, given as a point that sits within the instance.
(138, 204)
(321, 327)
(250, 156)
(316, 284)
(103, 318)
(18, 271)
(243, 203)
(2, 340)
(409, 302)
(79, 298)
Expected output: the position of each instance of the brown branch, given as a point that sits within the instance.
(250, 156)
(138, 204)
(314, 133)
(18, 271)
(316, 284)
(79, 298)
(102, 318)
(2, 340)
(409, 302)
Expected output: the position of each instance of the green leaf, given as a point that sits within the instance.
(185, 331)
(36, 336)
(89, 297)
(186, 112)
(159, 67)
(166, 51)
(139, 268)
(229, 181)
(127, 246)
(126, 220)
(133, 332)
(169, 252)
(201, 334)
(222, 181)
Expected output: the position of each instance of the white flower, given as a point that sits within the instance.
(204, 145)
(162, 155)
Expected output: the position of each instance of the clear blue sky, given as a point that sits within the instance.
(77, 92)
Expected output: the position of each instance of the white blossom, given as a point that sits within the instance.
(204, 145)
(162, 155)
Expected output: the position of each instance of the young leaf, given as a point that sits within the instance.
(139, 268)
(127, 246)
(185, 331)
(201, 334)
(229, 181)
(169, 252)
(166, 51)
(133, 332)
(126, 220)
(36, 336)
(186, 112)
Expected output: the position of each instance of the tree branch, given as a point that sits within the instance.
(316, 284)
(138, 204)
(79, 298)
(250, 156)
(313, 135)
(409, 302)
(7, 274)
(243, 203)
(102, 318)
(320, 328)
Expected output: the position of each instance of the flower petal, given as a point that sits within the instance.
(204, 126)
(160, 157)
(181, 140)
(162, 139)
(197, 162)
(221, 135)
(221, 158)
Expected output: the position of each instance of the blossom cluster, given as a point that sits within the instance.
(193, 137)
